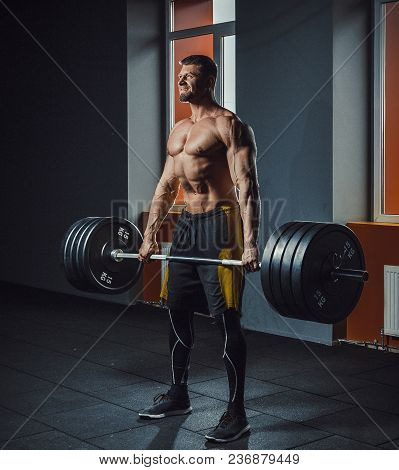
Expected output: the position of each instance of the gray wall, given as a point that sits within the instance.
(351, 110)
(60, 159)
(286, 53)
(146, 104)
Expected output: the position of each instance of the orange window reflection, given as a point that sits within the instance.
(192, 13)
(391, 124)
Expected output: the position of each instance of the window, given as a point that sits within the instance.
(187, 14)
(200, 27)
(386, 111)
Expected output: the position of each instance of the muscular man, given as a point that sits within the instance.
(212, 155)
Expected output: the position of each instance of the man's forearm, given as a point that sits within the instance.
(249, 201)
(160, 206)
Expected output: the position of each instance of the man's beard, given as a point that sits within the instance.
(185, 96)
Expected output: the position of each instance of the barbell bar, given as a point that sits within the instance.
(118, 255)
(311, 271)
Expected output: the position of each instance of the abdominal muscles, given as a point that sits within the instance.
(206, 181)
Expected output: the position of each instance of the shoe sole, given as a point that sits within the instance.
(165, 415)
(237, 436)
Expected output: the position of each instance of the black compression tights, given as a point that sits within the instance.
(181, 341)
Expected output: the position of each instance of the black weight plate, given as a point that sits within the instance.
(66, 248)
(65, 240)
(267, 259)
(85, 237)
(296, 272)
(285, 272)
(80, 282)
(275, 268)
(77, 260)
(326, 300)
(105, 274)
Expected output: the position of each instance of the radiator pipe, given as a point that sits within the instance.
(375, 344)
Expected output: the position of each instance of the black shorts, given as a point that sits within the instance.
(214, 234)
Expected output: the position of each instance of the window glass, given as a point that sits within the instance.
(224, 10)
(191, 14)
(229, 73)
(187, 14)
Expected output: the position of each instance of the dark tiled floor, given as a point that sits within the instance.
(67, 385)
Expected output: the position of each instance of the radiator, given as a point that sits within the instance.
(391, 300)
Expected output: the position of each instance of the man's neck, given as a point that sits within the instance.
(207, 107)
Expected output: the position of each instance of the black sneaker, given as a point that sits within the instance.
(231, 426)
(167, 405)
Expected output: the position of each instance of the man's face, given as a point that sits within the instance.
(191, 84)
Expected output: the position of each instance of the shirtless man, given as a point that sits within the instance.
(212, 155)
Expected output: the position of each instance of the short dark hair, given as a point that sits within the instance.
(208, 66)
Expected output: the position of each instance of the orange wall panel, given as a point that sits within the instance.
(380, 242)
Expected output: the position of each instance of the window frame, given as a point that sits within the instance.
(378, 115)
(219, 31)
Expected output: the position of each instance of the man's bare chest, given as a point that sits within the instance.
(195, 140)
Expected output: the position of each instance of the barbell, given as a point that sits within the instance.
(309, 270)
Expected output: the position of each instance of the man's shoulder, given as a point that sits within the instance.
(226, 117)
(230, 125)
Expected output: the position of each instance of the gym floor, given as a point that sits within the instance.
(292, 399)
